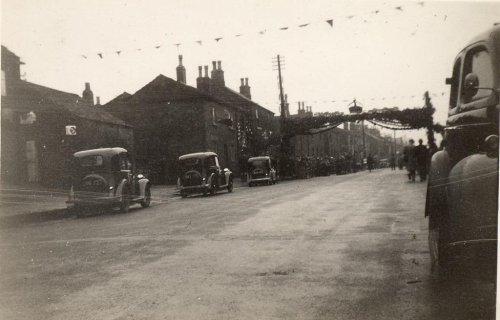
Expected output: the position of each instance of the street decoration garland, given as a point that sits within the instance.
(393, 119)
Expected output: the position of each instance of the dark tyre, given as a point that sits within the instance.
(250, 184)
(230, 185)
(212, 190)
(147, 198)
(125, 200)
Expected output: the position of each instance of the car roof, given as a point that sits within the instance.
(197, 155)
(258, 158)
(99, 151)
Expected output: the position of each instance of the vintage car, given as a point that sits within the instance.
(106, 177)
(201, 173)
(261, 170)
(462, 195)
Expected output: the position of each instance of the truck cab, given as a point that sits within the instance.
(462, 195)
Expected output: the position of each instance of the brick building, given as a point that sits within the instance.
(171, 118)
(42, 127)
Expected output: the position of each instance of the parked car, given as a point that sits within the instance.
(106, 177)
(201, 173)
(261, 170)
(462, 195)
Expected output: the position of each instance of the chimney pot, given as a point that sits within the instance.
(246, 81)
(242, 82)
(87, 85)
(98, 100)
(206, 71)
(180, 59)
(199, 71)
(214, 65)
(219, 65)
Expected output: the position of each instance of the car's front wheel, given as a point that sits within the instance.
(125, 200)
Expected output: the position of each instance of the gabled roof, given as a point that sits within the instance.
(230, 96)
(163, 89)
(39, 98)
(120, 98)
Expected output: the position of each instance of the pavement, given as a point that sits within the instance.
(16, 200)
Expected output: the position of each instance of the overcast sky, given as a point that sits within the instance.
(384, 54)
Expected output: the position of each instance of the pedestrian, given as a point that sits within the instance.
(410, 159)
(392, 162)
(421, 155)
(369, 162)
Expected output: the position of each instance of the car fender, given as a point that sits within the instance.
(119, 189)
(472, 193)
(438, 179)
(143, 184)
(210, 178)
(228, 176)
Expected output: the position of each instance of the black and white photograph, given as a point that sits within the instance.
(267, 160)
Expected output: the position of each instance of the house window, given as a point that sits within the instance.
(256, 114)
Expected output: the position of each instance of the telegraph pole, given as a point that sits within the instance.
(282, 99)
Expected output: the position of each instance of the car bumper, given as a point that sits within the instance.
(194, 189)
(260, 179)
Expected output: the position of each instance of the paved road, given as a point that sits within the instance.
(339, 247)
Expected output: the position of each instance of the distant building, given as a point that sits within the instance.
(42, 127)
(171, 118)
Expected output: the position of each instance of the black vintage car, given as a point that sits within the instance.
(462, 195)
(106, 177)
(201, 173)
(262, 170)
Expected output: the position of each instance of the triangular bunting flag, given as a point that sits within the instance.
(376, 11)
(350, 17)
(238, 35)
(84, 56)
(218, 39)
(100, 55)
(262, 32)
(330, 22)
(421, 3)
(303, 25)
(118, 52)
(399, 8)
(199, 42)
(284, 28)
(158, 47)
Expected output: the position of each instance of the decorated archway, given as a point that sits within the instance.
(393, 119)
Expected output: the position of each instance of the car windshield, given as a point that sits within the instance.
(191, 164)
(259, 164)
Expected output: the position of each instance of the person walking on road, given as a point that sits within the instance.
(421, 155)
(410, 159)
(392, 162)
(369, 162)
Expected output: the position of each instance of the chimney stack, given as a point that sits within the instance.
(181, 71)
(245, 88)
(88, 95)
(97, 101)
(203, 83)
(217, 75)
(199, 71)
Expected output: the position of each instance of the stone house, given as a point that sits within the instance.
(42, 127)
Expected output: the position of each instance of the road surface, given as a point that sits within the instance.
(338, 247)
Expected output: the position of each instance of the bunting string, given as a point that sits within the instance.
(220, 39)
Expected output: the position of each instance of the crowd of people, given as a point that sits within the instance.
(416, 160)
